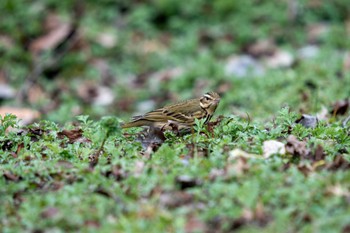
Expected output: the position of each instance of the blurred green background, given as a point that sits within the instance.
(66, 58)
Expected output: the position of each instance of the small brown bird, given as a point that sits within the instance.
(182, 114)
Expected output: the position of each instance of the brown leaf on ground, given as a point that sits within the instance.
(18, 198)
(296, 147)
(103, 192)
(36, 93)
(10, 176)
(117, 172)
(65, 164)
(256, 216)
(26, 115)
(340, 107)
(93, 160)
(34, 133)
(194, 150)
(316, 31)
(49, 212)
(74, 135)
(92, 224)
(319, 153)
(265, 47)
(175, 199)
(151, 139)
(194, 224)
(338, 163)
(56, 32)
(346, 228)
(216, 173)
(302, 167)
(237, 162)
(148, 46)
(224, 87)
(6, 42)
(346, 61)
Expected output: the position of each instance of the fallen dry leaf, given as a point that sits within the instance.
(74, 135)
(6, 42)
(296, 147)
(151, 139)
(117, 172)
(340, 107)
(26, 115)
(175, 199)
(10, 176)
(319, 153)
(65, 164)
(346, 62)
(57, 31)
(339, 163)
(49, 212)
(194, 224)
(36, 93)
(237, 162)
(316, 31)
(264, 47)
(256, 215)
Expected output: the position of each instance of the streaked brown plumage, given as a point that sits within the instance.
(182, 113)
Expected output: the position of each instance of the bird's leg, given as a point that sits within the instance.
(174, 128)
(210, 129)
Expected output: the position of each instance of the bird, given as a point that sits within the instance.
(182, 114)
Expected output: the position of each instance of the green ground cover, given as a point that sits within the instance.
(76, 170)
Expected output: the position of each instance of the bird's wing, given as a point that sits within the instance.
(179, 112)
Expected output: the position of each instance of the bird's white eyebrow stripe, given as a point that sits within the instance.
(208, 96)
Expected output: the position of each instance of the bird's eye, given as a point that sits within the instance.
(206, 98)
